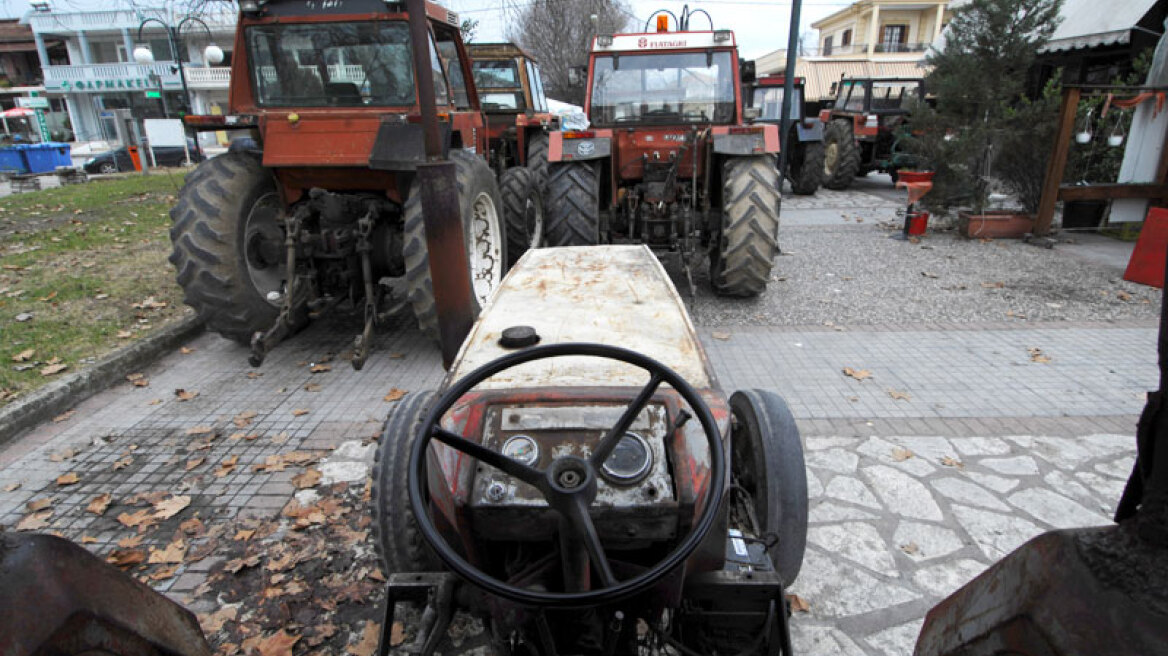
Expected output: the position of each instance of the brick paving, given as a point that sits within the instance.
(1032, 445)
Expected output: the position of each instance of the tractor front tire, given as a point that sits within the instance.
(745, 253)
(537, 159)
(841, 162)
(523, 211)
(766, 460)
(482, 224)
(395, 531)
(806, 171)
(573, 218)
(228, 245)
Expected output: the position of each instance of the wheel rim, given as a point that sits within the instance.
(486, 252)
(830, 157)
(263, 248)
(108, 167)
(533, 214)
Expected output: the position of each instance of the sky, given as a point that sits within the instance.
(760, 26)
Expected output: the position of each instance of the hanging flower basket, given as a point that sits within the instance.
(995, 224)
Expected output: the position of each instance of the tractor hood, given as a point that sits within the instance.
(615, 295)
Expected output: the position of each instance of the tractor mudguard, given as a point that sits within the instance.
(60, 599)
(401, 146)
(578, 148)
(755, 140)
(809, 131)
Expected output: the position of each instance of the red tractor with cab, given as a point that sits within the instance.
(865, 124)
(318, 206)
(669, 159)
(764, 94)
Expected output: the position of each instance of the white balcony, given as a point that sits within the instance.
(117, 19)
(213, 77)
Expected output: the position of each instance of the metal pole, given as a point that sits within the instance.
(788, 89)
(437, 181)
(172, 34)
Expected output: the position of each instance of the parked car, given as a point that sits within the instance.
(115, 161)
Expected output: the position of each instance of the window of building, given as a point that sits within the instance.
(827, 45)
(894, 38)
(106, 52)
(846, 39)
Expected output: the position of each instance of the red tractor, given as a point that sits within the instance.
(319, 206)
(518, 121)
(669, 159)
(864, 128)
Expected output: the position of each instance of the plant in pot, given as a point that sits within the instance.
(977, 136)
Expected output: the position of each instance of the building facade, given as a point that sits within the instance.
(893, 30)
(98, 73)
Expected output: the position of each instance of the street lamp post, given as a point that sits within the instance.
(212, 54)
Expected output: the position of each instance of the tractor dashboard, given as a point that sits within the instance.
(635, 498)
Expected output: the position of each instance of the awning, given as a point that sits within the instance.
(1086, 24)
(17, 112)
(822, 73)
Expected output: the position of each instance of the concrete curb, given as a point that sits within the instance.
(57, 397)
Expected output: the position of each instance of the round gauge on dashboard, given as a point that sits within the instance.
(630, 460)
(522, 449)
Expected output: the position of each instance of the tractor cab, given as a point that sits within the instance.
(864, 125)
(764, 95)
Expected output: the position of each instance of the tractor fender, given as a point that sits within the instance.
(579, 145)
(809, 130)
(756, 139)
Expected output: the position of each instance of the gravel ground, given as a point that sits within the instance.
(854, 275)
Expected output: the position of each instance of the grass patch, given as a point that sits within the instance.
(88, 263)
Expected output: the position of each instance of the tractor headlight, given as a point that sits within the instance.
(630, 460)
(522, 449)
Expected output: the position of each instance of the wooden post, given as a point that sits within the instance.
(1057, 165)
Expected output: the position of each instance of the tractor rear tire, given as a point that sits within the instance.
(523, 211)
(841, 161)
(537, 159)
(399, 545)
(573, 219)
(482, 224)
(229, 208)
(741, 264)
(766, 460)
(806, 172)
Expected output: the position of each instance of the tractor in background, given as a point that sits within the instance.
(804, 133)
(669, 159)
(864, 126)
(511, 92)
(318, 206)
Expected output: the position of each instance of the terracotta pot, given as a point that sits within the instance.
(996, 224)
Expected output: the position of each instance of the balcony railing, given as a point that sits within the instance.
(862, 49)
(112, 78)
(902, 47)
(116, 19)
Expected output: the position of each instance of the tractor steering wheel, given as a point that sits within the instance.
(569, 483)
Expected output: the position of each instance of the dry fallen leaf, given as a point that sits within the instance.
(899, 396)
(900, 454)
(1036, 355)
(88, 539)
(24, 356)
(38, 504)
(911, 548)
(125, 334)
(62, 456)
(312, 387)
(320, 368)
(277, 644)
(68, 479)
(237, 564)
(172, 553)
(131, 542)
(12, 487)
(185, 395)
(126, 557)
(200, 430)
(99, 503)
(54, 369)
(163, 573)
(64, 416)
(242, 419)
(123, 463)
(858, 374)
(212, 622)
(280, 438)
(1124, 296)
(35, 521)
(168, 508)
(193, 526)
(720, 335)
(243, 535)
(194, 462)
(309, 478)
(798, 604)
(952, 462)
(227, 466)
(186, 350)
(140, 519)
(993, 285)
(369, 639)
(299, 412)
(254, 374)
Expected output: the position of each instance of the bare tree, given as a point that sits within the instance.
(558, 34)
